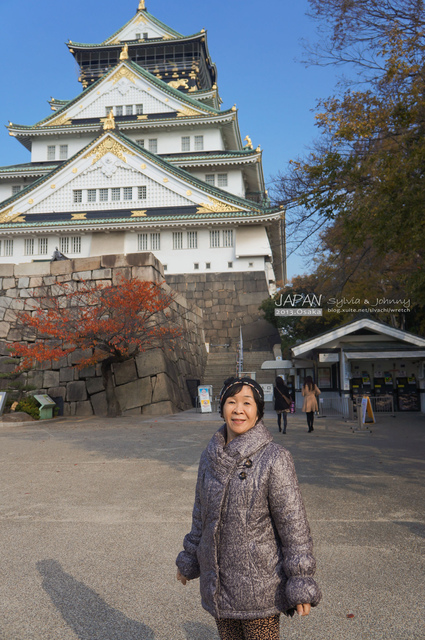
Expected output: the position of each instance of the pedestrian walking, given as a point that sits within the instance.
(250, 541)
(310, 391)
(282, 402)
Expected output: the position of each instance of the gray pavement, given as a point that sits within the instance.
(93, 513)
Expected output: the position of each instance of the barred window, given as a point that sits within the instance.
(129, 110)
(139, 109)
(222, 180)
(199, 143)
(185, 143)
(43, 245)
(63, 152)
(78, 195)
(76, 244)
(155, 241)
(141, 193)
(64, 245)
(108, 110)
(145, 35)
(153, 145)
(119, 111)
(214, 239)
(141, 143)
(143, 241)
(29, 246)
(192, 239)
(8, 247)
(128, 193)
(177, 240)
(103, 195)
(116, 193)
(91, 195)
(16, 188)
(137, 36)
(228, 238)
(210, 179)
(51, 152)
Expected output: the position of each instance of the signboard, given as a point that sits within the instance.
(3, 396)
(268, 392)
(328, 357)
(204, 395)
(366, 410)
(45, 400)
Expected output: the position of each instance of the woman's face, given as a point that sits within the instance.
(240, 413)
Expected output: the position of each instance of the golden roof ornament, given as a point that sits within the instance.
(124, 53)
(142, 6)
(248, 141)
(109, 122)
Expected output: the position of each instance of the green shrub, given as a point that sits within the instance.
(29, 405)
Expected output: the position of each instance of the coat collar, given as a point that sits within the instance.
(241, 447)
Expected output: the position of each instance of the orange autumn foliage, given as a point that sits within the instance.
(113, 322)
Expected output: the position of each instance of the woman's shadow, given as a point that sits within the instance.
(90, 617)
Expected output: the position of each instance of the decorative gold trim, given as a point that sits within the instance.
(216, 206)
(20, 219)
(57, 122)
(143, 167)
(142, 6)
(75, 170)
(165, 179)
(123, 72)
(8, 216)
(53, 186)
(109, 145)
(143, 117)
(124, 53)
(78, 216)
(30, 201)
(187, 112)
(109, 121)
(139, 214)
(188, 193)
(182, 82)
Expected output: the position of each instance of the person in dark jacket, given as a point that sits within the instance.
(282, 402)
(250, 541)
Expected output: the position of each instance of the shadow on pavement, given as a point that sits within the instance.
(84, 611)
(197, 631)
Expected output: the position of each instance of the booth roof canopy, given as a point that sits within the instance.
(323, 340)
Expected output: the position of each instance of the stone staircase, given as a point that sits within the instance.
(222, 365)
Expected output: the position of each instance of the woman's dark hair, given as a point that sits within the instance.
(308, 382)
(280, 383)
(232, 386)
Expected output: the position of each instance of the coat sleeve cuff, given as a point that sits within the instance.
(188, 567)
(302, 590)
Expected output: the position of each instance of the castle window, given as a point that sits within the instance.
(64, 245)
(29, 246)
(196, 265)
(128, 193)
(139, 110)
(103, 195)
(43, 244)
(177, 240)
(199, 143)
(141, 143)
(185, 143)
(138, 36)
(153, 145)
(145, 35)
(155, 241)
(108, 110)
(208, 265)
(16, 188)
(141, 193)
(230, 265)
(78, 195)
(192, 239)
(129, 110)
(119, 111)
(116, 194)
(8, 248)
(210, 179)
(76, 244)
(51, 152)
(228, 238)
(91, 195)
(63, 152)
(214, 239)
(222, 180)
(142, 241)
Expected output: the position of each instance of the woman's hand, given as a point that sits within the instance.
(303, 609)
(183, 580)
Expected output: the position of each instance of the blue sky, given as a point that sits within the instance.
(255, 45)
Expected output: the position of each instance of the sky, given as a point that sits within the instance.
(256, 47)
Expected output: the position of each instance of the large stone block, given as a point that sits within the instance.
(101, 274)
(81, 275)
(86, 264)
(151, 363)
(77, 355)
(134, 394)
(99, 404)
(33, 269)
(76, 391)
(4, 329)
(24, 282)
(60, 267)
(51, 379)
(94, 385)
(6, 270)
(57, 392)
(84, 408)
(162, 388)
(159, 409)
(120, 274)
(148, 274)
(125, 372)
(66, 374)
(8, 283)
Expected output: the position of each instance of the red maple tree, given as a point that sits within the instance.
(109, 324)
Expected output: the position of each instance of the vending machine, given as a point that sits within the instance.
(383, 389)
(407, 394)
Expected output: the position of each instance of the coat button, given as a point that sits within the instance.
(242, 475)
(248, 463)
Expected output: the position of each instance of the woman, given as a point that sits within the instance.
(310, 392)
(250, 541)
(282, 402)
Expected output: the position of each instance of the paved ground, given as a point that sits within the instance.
(93, 513)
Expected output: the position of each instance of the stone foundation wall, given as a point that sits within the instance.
(154, 383)
(229, 301)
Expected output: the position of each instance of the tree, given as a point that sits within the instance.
(109, 324)
(365, 174)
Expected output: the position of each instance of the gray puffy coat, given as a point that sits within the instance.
(250, 541)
